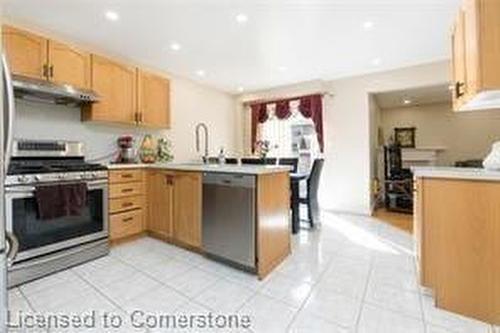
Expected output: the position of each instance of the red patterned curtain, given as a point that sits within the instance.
(283, 109)
(259, 115)
(310, 107)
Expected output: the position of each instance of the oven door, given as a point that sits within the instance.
(37, 237)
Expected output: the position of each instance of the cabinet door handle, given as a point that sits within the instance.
(45, 71)
(127, 219)
(127, 175)
(459, 92)
(51, 70)
(126, 190)
(127, 204)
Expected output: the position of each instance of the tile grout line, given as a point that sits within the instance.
(99, 291)
(365, 292)
(190, 298)
(289, 326)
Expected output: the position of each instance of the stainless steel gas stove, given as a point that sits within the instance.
(50, 245)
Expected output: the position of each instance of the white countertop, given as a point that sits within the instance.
(456, 173)
(224, 168)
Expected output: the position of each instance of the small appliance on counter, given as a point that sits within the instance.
(126, 150)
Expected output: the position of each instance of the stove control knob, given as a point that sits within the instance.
(61, 176)
(37, 178)
(94, 175)
(23, 179)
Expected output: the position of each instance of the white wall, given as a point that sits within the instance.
(466, 135)
(347, 173)
(190, 103)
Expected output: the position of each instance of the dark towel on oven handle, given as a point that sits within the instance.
(59, 200)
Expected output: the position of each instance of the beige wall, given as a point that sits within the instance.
(346, 181)
(466, 135)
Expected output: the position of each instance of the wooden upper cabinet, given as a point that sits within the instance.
(153, 100)
(187, 208)
(459, 61)
(476, 50)
(68, 65)
(26, 52)
(160, 194)
(116, 84)
(482, 31)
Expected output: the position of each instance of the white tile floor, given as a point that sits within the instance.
(352, 275)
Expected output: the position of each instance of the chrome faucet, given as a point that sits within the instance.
(197, 132)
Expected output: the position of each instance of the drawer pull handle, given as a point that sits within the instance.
(128, 175)
(126, 190)
(128, 219)
(127, 204)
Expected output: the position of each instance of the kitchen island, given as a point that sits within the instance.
(457, 230)
(165, 201)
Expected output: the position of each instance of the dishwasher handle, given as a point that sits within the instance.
(229, 180)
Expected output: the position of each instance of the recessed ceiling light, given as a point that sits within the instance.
(112, 16)
(376, 62)
(200, 72)
(241, 89)
(175, 46)
(368, 25)
(241, 18)
(407, 101)
(282, 68)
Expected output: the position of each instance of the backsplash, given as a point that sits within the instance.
(46, 121)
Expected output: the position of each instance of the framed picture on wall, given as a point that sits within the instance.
(405, 136)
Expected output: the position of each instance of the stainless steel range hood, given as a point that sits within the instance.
(44, 91)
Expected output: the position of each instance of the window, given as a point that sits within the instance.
(292, 137)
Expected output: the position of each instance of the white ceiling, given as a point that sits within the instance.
(283, 41)
(413, 97)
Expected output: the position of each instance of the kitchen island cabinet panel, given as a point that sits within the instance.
(273, 221)
(459, 241)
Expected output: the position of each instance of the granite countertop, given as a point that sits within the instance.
(224, 168)
(456, 173)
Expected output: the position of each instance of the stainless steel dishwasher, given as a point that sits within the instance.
(228, 231)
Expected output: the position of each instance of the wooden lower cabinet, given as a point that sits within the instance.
(458, 224)
(173, 211)
(187, 208)
(174, 206)
(126, 224)
(127, 213)
(160, 194)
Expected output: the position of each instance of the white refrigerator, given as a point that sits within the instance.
(8, 244)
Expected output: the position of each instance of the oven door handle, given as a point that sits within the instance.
(91, 185)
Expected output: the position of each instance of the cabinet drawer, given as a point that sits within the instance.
(125, 190)
(126, 224)
(125, 176)
(127, 203)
